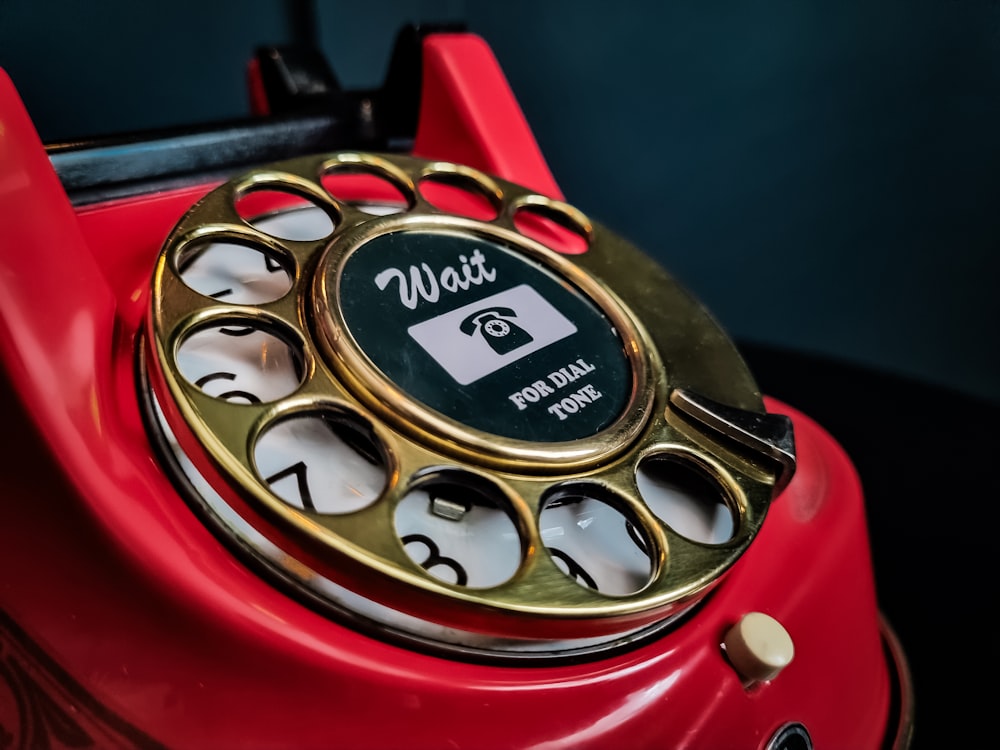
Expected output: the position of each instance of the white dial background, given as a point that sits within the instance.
(235, 274)
(305, 223)
(689, 503)
(481, 549)
(310, 466)
(239, 363)
(595, 545)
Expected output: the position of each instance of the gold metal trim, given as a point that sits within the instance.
(669, 340)
(382, 395)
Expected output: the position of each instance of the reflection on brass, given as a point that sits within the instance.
(669, 341)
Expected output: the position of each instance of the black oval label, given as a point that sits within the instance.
(485, 335)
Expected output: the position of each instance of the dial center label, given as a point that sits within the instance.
(485, 335)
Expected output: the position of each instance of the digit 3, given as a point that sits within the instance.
(435, 558)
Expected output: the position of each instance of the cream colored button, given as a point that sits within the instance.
(758, 647)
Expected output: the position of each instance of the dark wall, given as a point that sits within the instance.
(824, 176)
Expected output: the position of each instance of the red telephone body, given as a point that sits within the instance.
(124, 622)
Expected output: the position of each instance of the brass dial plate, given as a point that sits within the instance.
(667, 344)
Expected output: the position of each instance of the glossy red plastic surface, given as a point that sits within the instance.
(469, 115)
(140, 608)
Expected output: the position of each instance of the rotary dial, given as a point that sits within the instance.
(451, 409)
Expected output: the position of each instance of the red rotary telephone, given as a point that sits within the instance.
(255, 498)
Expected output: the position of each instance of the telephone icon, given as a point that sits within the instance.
(497, 329)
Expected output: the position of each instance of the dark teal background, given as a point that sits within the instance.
(824, 176)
